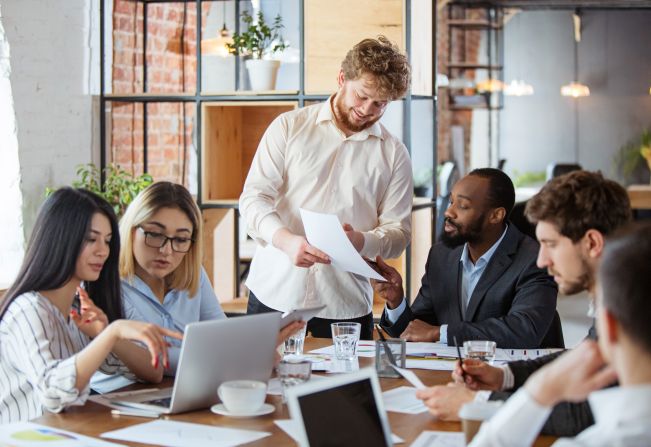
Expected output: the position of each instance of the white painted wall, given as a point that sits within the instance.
(615, 62)
(11, 242)
(54, 46)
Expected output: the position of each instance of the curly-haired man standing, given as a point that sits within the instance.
(334, 158)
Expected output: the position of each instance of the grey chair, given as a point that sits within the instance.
(557, 169)
(447, 178)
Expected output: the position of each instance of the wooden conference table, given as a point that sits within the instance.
(93, 419)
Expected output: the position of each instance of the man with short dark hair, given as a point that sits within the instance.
(481, 282)
(573, 214)
(624, 352)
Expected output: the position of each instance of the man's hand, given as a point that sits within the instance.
(572, 376)
(479, 375)
(390, 290)
(356, 237)
(444, 401)
(300, 252)
(418, 330)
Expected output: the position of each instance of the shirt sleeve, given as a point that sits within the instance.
(394, 314)
(516, 424)
(37, 343)
(443, 333)
(393, 231)
(263, 183)
(209, 307)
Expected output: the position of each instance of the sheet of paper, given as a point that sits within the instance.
(104, 383)
(106, 399)
(410, 376)
(23, 434)
(293, 429)
(440, 439)
(431, 364)
(325, 232)
(403, 400)
(365, 348)
(509, 355)
(181, 434)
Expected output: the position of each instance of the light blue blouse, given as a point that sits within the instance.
(177, 310)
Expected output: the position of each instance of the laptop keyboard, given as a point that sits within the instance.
(164, 402)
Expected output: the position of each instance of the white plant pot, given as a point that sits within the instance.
(262, 73)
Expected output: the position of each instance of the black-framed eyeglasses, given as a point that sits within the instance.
(158, 240)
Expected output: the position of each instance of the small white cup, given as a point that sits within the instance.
(242, 396)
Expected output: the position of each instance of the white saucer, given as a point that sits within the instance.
(221, 409)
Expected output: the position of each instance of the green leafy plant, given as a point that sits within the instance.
(634, 154)
(120, 186)
(528, 178)
(259, 39)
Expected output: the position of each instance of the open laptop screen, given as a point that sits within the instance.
(346, 414)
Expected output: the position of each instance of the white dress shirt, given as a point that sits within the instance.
(622, 416)
(38, 350)
(305, 161)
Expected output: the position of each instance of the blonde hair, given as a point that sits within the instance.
(146, 204)
(383, 60)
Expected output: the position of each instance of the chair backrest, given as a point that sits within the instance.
(556, 169)
(554, 337)
(518, 219)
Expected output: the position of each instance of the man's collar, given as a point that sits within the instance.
(465, 254)
(326, 114)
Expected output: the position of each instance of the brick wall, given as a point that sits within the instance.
(171, 68)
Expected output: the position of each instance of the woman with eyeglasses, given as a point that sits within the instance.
(163, 281)
(53, 336)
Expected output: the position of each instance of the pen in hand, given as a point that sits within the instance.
(463, 373)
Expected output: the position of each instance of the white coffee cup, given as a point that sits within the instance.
(242, 396)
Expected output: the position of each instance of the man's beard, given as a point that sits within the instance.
(342, 116)
(472, 235)
(583, 282)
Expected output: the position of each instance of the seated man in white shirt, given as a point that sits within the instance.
(622, 413)
(481, 282)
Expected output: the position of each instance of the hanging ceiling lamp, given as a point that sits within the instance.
(575, 89)
(218, 45)
(518, 87)
(490, 85)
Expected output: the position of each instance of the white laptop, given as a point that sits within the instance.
(342, 410)
(214, 352)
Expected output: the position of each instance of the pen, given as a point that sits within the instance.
(463, 373)
(383, 340)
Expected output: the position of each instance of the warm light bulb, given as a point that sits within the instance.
(219, 45)
(575, 90)
(518, 87)
(490, 85)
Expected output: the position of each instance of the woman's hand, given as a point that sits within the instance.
(149, 334)
(92, 319)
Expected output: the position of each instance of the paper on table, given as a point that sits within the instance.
(105, 383)
(434, 365)
(29, 434)
(410, 377)
(440, 439)
(403, 400)
(325, 232)
(293, 429)
(181, 434)
(365, 348)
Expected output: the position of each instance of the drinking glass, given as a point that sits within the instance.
(294, 343)
(483, 350)
(293, 371)
(345, 337)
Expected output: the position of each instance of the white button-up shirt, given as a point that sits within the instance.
(621, 414)
(305, 161)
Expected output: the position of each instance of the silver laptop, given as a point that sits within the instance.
(343, 410)
(214, 352)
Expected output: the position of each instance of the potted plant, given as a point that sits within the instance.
(120, 186)
(258, 43)
(423, 182)
(633, 160)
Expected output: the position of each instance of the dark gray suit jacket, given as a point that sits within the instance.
(566, 419)
(513, 303)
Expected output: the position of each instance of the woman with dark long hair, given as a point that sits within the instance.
(53, 337)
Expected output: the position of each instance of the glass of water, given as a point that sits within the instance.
(293, 370)
(345, 337)
(483, 350)
(294, 343)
